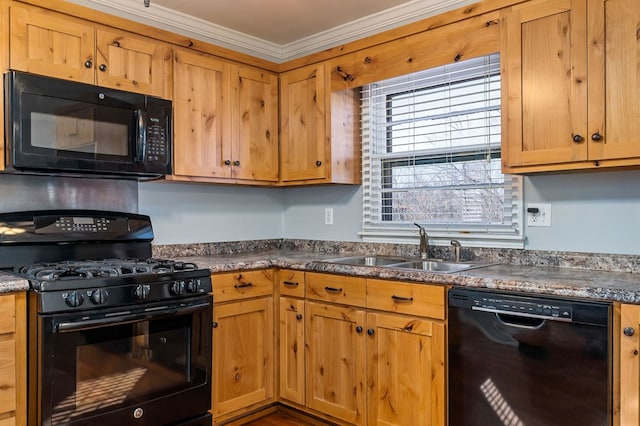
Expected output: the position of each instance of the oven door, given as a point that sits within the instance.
(145, 366)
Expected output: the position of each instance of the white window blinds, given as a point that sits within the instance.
(431, 155)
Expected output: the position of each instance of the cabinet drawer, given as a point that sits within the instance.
(406, 298)
(337, 289)
(242, 285)
(7, 314)
(291, 283)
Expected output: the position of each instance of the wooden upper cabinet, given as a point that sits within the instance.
(303, 109)
(569, 85)
(133, 63)
(201, 107)
(254, 124)
(55, 45)
(52, 44)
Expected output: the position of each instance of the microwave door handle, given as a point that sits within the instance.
(141, 136)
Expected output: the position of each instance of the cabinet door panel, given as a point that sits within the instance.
(303, 113)
(47, 43)
(133, 63)
(254, 125)
(544, 47)
(242, 355)
(406, 379)
(629, 365)
(292, 350)
(614, 29)
(201, 110)
(336, 361)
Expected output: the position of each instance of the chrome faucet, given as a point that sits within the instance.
(456, 249)
(424, 242)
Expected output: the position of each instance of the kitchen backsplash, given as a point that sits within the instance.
(593, 261)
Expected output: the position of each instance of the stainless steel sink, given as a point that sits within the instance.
(429, 265)
(435, 266)
(366, 260)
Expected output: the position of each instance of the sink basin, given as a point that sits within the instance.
(365, 260)
(435, 266)
(429, 265)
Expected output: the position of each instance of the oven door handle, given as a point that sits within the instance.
(128, 318)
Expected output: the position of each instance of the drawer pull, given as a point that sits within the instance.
(290, 283)
(333, 290)
(243, 285)
(401, 298)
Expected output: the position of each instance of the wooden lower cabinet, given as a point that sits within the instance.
(242, 356)
(628, 360)
(292, 362)
(12, 359)
(336, 361)
(406, 375)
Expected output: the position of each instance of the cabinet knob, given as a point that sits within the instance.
(236, 163)
(215, 324)
(88, 64)
(102, 67)
(299, 317)
(359, 329)
(318, 163)
(596, 137)
(371, 331)
(578, 138)
(629, 331)
(227, 162)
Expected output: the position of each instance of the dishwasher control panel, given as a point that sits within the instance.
(507, 305)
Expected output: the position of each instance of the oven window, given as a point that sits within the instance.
(102, 369)
(72, 127)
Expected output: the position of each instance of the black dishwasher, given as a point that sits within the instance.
(528, 361)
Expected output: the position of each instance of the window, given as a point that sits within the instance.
(431, 155)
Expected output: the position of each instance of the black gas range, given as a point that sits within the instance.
(114, 335)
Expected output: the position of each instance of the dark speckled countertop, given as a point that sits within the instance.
(581, 283)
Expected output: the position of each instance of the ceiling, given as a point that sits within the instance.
(276, 30)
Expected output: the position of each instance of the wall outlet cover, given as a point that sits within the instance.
(538, 214)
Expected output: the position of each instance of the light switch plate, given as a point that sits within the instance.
(540, 218)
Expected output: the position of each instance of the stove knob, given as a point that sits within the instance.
(74, 299)
(194, 286)
(99, 297)
(141, 292)
(177, 288)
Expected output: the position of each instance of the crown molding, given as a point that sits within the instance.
(190, 26)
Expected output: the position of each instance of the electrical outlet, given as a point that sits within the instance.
(328, 216)
(538, 214)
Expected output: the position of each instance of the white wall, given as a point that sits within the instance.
(193, 213)
(591, 212)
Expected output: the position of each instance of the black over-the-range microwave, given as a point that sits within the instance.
(64, 127)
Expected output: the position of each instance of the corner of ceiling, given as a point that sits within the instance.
(208, 32)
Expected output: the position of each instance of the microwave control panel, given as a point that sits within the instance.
(157, 145)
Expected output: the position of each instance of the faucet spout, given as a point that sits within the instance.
(424, 242)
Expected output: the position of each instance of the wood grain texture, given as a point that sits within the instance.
(406, 298)
(242, 285)
(336, 289)
(629, 361)
(291, 339)
(291, 283)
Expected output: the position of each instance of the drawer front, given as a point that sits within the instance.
(407, 298)
(291, 283)
(242, 285)
(336, 289)
(7, 314)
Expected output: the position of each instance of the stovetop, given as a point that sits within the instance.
(106, 268)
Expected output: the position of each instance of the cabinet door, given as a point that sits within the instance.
(292, 350)
(201, 104)
(614, 79)
(242, 355)
(254, 124)
(303, 106)
(544, 50)
(406, 375)
(130, 62)
(47, 43)
(336, 348)
(629, 365)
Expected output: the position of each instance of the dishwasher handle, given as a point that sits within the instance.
(512, 316)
